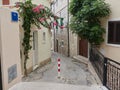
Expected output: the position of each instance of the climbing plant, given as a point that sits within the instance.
(86, 16)
(32, 14)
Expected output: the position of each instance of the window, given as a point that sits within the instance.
(44, 36)
(5, 2)
(62, 43)
(114, 32)
(56, 3)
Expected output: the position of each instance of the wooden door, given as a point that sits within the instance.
(5, 2)
(83, 47)
(56, 45)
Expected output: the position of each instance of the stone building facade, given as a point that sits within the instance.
(61, 36)
(65, 41)
(80, 47)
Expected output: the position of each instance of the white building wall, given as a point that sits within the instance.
(44, 49)
(9, 48)
(44, 2)
(12, 2)
(111, 50)
(44, 45)
(60, 4)
(60, 8)
(44, 42)
(0, 2)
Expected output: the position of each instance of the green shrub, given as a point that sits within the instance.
(85, 21)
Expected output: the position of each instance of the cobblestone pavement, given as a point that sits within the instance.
(72, 72)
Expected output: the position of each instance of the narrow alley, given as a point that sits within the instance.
(72, 72)
(59, 45)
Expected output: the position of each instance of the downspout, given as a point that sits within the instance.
(53, 26)
(68, 29)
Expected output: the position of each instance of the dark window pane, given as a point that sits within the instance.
(118, 33)
(114, 32)
(110, 32)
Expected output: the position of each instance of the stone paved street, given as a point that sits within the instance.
(53, 86)
(72, 72)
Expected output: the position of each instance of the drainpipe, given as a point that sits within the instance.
(68, 29)
(53, 3)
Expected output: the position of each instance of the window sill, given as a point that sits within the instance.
(113, 45)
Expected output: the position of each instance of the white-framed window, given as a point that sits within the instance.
(44, 36)
(113, 36)
(56, 3)
(62, 43)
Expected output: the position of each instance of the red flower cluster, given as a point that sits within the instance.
(55, 23)
(62, 27)
(17, 4)
(38, 8)
(42, 19)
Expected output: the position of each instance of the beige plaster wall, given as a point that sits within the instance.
(44, 2)
(9, 47)
(29, 61)
(44, 46)
(73, 44)
(61, 4)
(111, 51)
(13, 1)
(0, 2)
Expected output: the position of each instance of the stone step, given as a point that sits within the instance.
(84, 60)
(81, 59)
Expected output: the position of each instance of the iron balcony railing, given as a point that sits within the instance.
(107, 69)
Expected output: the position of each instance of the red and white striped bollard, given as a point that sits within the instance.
(58, 67)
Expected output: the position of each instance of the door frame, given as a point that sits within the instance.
(57, 45)
(35, 50)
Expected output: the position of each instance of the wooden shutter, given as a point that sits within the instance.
(5, 2)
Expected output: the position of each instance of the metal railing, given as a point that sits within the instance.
(97, 60)
(113, 75)
(107, 69)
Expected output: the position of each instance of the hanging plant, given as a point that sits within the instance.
(85, 21)
(32, 14)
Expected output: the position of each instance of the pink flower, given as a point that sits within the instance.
(41, 19)
(17, 4)
(40, 6)
(36, 10)
(62, 27)
(55, 23)
(39, 28)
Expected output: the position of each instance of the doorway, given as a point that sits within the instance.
(56, 45)
(83, 47)
(35, 50)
